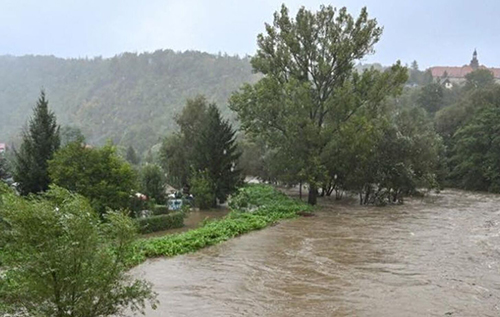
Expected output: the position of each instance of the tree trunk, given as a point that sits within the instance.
(313, 193)
(300, 190)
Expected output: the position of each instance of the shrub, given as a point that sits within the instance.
(203, 190)
(160, 222)
(160, 210)
(56, 250)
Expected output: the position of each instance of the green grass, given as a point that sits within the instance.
(265, 205)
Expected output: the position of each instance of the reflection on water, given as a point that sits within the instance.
(437, 256)
(193, 220)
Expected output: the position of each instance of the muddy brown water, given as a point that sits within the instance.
(437, 256)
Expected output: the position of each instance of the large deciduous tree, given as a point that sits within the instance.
(40, 141)
(153, 182)
(309, 88)
(177, 150)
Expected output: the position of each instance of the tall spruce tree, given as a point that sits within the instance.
(40, 141)
(217, 154)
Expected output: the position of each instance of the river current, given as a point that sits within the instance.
(438, 256)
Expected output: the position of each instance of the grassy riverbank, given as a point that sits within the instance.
(253, 208)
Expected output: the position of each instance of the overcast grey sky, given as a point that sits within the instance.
(433, 32)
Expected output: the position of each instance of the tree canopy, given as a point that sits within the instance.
(309, 88)
(96, 173)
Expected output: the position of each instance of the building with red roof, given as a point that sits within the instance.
(3, 147)
(457, 74)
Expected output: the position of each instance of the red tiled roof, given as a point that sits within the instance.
(459, 72)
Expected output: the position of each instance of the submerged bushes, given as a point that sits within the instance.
(270, 204)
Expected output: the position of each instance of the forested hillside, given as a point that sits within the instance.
(131, 98)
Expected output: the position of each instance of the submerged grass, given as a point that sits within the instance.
(254, 207)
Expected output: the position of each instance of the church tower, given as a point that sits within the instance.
(474, 63)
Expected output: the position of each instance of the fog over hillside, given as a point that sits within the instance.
(130, 99)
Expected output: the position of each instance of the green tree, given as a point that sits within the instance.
(217, 153)
(4, 167)
(96, 173)
(40, 141)
(480, 78)
(174, 160)
(59, 259)
(474, 159)
(177, 150)
(131, 156)
(153, 182)
(203, 189)
(430, 97)
(309, 88)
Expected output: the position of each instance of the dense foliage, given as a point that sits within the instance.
(203, 189)
(130, 98)
(310, 89)
(153, 183)
(59, 259)
(203, 154)
(40, 141)
(471, 130)
(216, 153)
(160, 222)
(4, 167)
(178, 150)
(99, 174)
(271, 206)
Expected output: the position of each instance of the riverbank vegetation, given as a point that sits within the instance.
(254, 207)
(59, 258)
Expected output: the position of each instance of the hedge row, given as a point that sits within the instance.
(160, 210)
(160, 222)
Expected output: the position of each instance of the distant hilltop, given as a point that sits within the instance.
(457, 74)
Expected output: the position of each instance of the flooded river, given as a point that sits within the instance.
(434, 257)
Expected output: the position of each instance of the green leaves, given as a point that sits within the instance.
(96, 173)
(153, 182)
(61, 260)
(310, 89)
(204, 154)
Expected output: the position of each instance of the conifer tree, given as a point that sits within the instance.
(131, 156)
(217, 153)
(40, 141)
